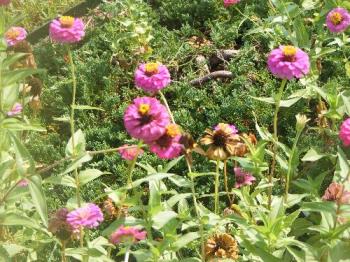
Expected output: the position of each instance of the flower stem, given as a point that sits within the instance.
(71, 121)
(63, 251)
(167, 106)
(216, 196)
(132, 164)
(127, 254)
(275, 137)
(226, 183)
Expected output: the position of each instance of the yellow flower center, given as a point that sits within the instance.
(143, 109)
(66, 21)
(289, 51)
(151, 68)
(336, 18)
(12, 34)
(173, 130)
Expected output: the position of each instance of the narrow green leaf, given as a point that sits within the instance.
(88, 175)
(39, 200)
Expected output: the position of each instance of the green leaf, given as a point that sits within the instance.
(9, 60)
(180, 181)
(289, 102)
(79, 142)
(171, 164)
(14, 124)
(85, 107)
(77, 163)
(162, 218)
(61, 180)
(88, 175)
(312, 156)
(14, 219)
(11, 77)
(39, 200)
(343, 164)
(328, 207)
(184, 240)
(302, 34)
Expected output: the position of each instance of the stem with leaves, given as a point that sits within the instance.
(278, 98)
(167, 107)
(216, 195)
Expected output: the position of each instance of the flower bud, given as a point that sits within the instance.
(301, 122)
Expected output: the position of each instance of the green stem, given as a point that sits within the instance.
(275, 137)
(71, 121)
(132, 164)
(216, 196)
(1, 91)
(167, 107)
(226, 183)
(63, 251)
(289, 172)
(127, 254)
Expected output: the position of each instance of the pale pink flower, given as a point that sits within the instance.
(130, 153)
(4, 2)
(67, 29)
(152, 77)
(336, 192)
(16, 109)
(228, 3)
(344, 133)
(287, 62)
(243, 178)
(15, 35)
(127, 235)
(23, 183)
(338, 20)
(88, 216)
(232, 127)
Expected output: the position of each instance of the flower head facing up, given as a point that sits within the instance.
(168, 145)
(152, 77)
(16, 109)
(287, 62)
(344, 132)
(242, 178)
(146, 118)
(228, 3)
(221, 141)
(88, 216)
(130, 153)
(15, 35)
(338, 20)
(59, 226)
(67, 29)
(336, 192)
(128, 235)
(221, 245)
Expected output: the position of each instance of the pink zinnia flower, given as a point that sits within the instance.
(336, 192)
(287, 62)
(232, 127)
(243, 178)
(152, 77)
(130, 153)
(146, 119)
(127, 235)
(168, 145)
(16, 109)
(88, 216)
(227, 3)
(338, 20)
(15, 35)
(4, 2)
(67, 29)
(23, 183)
(344, 133)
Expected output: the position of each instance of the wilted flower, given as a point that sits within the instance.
(232, 210)
(146, 118)
(242, 178)
(15, 35)
(338, 20)
(221, 245)
(152, 77)
(36, 86)
(88, 216)
(336, 192)
(130, 153)
(23, 183)
(67, 29)
(344, 133)
(59, 226)
(221, 141)
(4, 2)
(287, 62)
(127, 235)
(16, 109)
(301, 122)
(28, 61)
(227, 3)
(321, 110)
(35, 103)
(112, 211)
(168, 146)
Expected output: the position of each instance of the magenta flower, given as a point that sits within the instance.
(15, 35)
(23, 183)
(228, 3)
(344, 133)
(152, 77)
(221, 125)
(88, 216)
(130, 153)
(4, 2)
(16, 109)
(338, 20)
(67, 29)
(127, 235)
(146, 119)
(168, 145)
(287, 62)
(243, 178)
